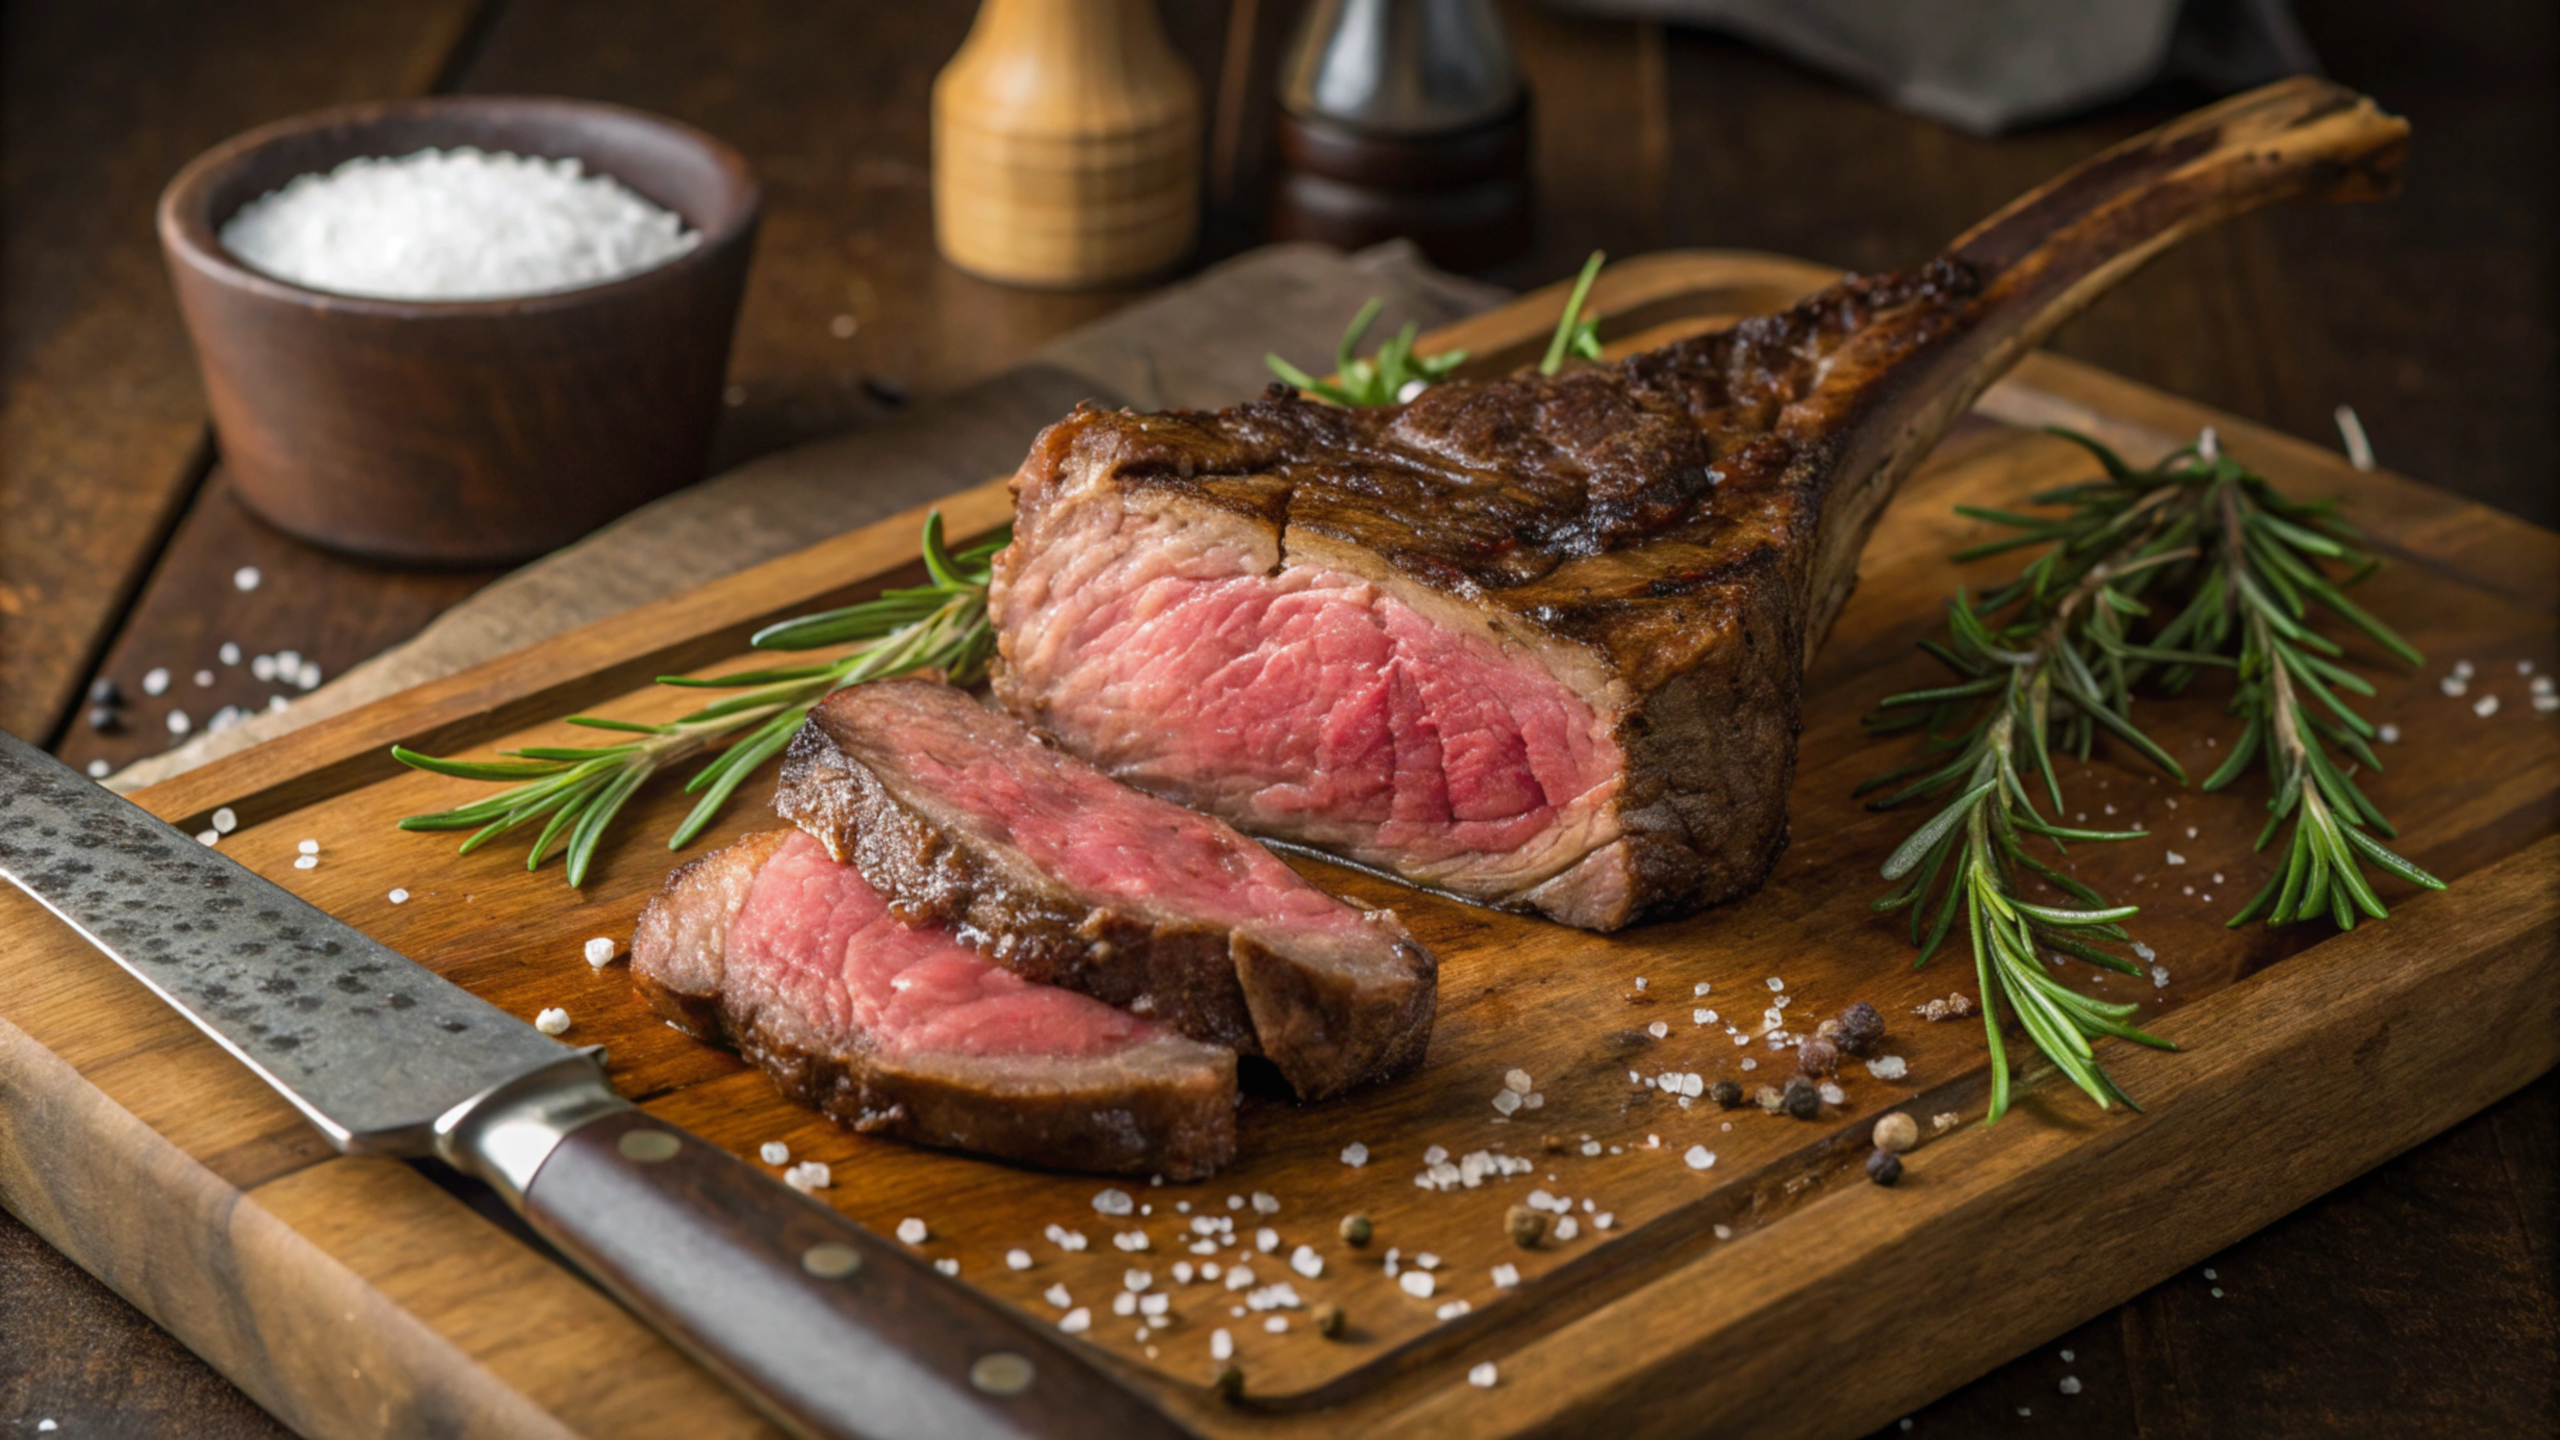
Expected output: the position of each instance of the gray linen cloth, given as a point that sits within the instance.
(1197, 344)
(1992, 65)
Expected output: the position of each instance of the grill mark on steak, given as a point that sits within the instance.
(964, 819)
(1601, 585)
(776, 950)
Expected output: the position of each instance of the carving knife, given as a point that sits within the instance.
(829, 1329)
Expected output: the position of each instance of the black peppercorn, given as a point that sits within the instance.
(1728, 1093)
(1884, 1167)
(1801, 1099)
(1817, 1056)
(1228, 1382)
(105, 718)
(1329, 1319)
(1355, 1230)
(103, 691)
(1860, 1028)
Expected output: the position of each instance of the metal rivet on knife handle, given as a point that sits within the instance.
(830, 1261)
(648, 1147)
(1003, 1373)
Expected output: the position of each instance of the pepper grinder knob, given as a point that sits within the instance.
(1066, 145)
(1404, 117)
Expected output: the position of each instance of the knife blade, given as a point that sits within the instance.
(828, 1328)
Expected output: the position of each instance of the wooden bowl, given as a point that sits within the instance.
(463, 432)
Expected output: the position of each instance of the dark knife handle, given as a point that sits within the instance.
(832, 1330)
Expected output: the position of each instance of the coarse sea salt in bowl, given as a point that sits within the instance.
(461, 330)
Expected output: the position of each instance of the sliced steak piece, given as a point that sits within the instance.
(1539, 640)
(773, 948)
(1065, 876)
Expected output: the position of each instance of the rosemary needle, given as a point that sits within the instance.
(577, 791)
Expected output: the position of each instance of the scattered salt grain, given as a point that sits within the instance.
(459, 224)
(1306, 1262)
(179, 724)
(204, 679)
(1265, 1203)
(552, 1021)
(1701, 988)
(229, 653)
(912, 1231)
(1222, 1346)
(98, 769)
(208, 837)
(1276, 1324)
(1483, 1376)
(247, 576)
(1427, 1260)
(600, 951)
(306, 862)
(1134, 1281)
(155, 681)
(809, 1175)
(308, 677)
(225, 821)
(1057, 1295)
(1114, 1202)
(1702, 1016)
(774, 1152)
(1153, 1306)
(1266, 1239)
(1129, 1240)
(1699, 1157)
(307, 847)
(2177, 859)
(1776, 984)
(2069, 1385)
(399, 897)
(1454, 1309)
(263, 667)
(1416, 1283)
(2388, 734)
(1076, 1321)
(1505, 1276)
(1639, 982)
(1658, 1029)
(1566, 1228)
(2454, 685)
(1518, 1082)
(947, 1266)
(2485, 706)
(1355, 1154)
(2159, 977)
(1506, 1101)
(1888, 1067)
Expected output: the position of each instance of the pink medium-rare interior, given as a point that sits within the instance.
(824, 942)
(1309, 705)
(1106, 839)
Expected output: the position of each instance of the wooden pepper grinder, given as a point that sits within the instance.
(1066, 145)
(1404, 117)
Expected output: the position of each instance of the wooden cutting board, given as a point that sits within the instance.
(1774, 1292)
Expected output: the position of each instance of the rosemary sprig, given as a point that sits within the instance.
(578, 790)
(1392, 376)
(1574, 334)
(1395, 374)
(2052, 657)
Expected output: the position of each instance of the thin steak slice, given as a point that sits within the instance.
(1538, 640)
(773, 948)
(1068, 877)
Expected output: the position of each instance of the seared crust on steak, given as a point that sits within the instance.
(1161, 1104)
(1632, 560)
(898, 778)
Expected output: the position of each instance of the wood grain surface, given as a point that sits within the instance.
(2418, 1298)
(1602, 1325)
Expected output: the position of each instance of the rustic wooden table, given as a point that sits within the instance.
(2420, 1299)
